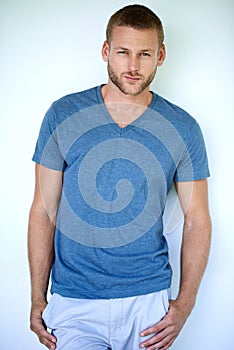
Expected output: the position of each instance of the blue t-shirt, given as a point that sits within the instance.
(109, 240)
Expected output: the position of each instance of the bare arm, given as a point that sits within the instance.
(42, 218)
(196, 239)
(194, 255)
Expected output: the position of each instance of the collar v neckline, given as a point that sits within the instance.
(114, 124)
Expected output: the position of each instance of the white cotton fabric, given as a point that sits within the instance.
(103, 324)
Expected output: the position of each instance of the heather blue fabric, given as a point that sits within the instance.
(109, 240)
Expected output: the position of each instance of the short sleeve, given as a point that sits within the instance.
(194, 162)
(47, 151)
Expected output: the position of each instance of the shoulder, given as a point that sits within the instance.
(78, 100)
(68, 105)
(173, 112)
(185, 124)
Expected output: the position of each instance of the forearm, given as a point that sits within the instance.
(194, 257)
(40, 251)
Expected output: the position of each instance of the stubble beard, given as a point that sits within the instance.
(126, 88)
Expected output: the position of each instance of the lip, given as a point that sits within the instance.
(132, 78)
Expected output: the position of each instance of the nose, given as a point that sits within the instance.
(133, 63)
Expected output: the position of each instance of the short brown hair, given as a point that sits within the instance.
(137, 17)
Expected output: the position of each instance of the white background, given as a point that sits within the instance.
(52, 48)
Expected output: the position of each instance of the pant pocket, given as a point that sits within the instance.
(47, 314)
(165, 299)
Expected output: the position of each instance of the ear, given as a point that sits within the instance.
(161, 55)
(105, 51)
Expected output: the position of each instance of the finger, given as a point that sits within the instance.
(167, 347)
(44, 336)
(158, 327)
(48, 340)
(158, 345)
(156, 339)
(49, 344)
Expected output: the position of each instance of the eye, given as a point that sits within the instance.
(122, 52)
(145, 54)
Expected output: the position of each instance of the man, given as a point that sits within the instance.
(105, 160)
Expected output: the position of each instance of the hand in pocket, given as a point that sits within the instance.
(38, 326)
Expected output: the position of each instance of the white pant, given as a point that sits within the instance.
(103, 324)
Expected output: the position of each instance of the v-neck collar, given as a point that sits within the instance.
(112, 121)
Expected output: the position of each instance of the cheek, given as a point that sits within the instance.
(149, 66)
(117, 62)
(153, 64)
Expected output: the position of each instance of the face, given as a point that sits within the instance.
(133, 57)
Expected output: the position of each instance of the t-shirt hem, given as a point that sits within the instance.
(197, 177)
(47, 165)
(125, 293)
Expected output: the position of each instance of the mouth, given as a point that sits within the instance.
(132, 78)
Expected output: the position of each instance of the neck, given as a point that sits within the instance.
(124, 109)
(111, 94)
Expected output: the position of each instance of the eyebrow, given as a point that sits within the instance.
(120, 48)
(126, 49)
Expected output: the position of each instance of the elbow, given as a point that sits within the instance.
(43, 213)
(202, 224)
